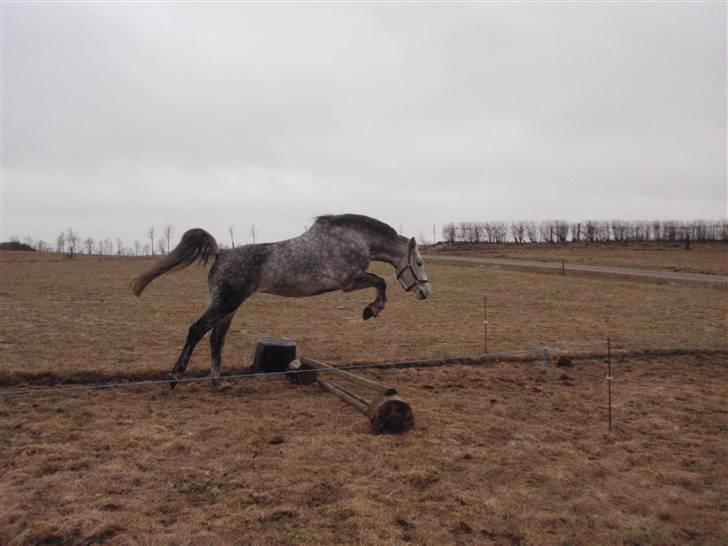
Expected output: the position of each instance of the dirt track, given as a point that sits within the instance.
(581, 268)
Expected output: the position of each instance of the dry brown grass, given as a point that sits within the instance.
(69, 315)
(500, 454)
(709, 258)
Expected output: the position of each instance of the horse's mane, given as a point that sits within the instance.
(358, 221)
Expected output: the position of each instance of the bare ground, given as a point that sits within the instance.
(67, 316)
(502, 453)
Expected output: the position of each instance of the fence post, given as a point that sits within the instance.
(609, 380)
(545, 357)
(485, 324)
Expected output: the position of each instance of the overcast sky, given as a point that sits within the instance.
(116, 117)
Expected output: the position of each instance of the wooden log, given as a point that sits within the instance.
(346, 395)
(361, 381)
(304, 376)
(273, 355)
(387, 414)
(390, 415)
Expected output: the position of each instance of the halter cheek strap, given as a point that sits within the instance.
(417, 279)
(416, 282)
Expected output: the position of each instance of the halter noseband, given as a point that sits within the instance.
(417, 279)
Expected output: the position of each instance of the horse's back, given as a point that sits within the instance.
(315, 262)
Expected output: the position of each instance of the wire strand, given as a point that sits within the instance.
(441, 361)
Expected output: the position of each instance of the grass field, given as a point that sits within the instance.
(708, 258)
(69, 315)
(502, 453)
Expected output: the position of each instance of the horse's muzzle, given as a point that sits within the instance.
(424, 291)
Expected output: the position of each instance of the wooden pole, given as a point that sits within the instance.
(362, 404)
(363, 382)
(387, 412)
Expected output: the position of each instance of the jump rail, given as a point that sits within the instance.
(387, 412)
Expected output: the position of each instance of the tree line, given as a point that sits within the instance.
(155, 242)
(71, 242)
(589, 231)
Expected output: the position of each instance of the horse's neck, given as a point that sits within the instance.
(391, 252)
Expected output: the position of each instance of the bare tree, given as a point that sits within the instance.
(546, 230)
(560, 230)
(42, 246)
(671, 229)
(168, 230)
(500, 232)
(603, 231)
(231, 230)
(619, 230)
(119, 246)
(72, 239)
(61, 243)
(89, 244)
(150, 235)
(252, 232)
(137, 247)
(473, 232)
(518, 231)
(146, 249)
(531, 232)
(590, 230)
(576, 232)
(160, 246)
(449, 233)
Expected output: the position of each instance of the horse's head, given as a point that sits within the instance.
(411, 274)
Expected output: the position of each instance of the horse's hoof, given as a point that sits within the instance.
(222, 386)
(367, 313)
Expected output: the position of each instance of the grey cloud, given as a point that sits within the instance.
(118, 116)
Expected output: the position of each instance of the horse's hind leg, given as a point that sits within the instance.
(370, 280)
(196, 332)
(217, 341)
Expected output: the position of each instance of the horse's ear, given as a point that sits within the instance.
(412, 245)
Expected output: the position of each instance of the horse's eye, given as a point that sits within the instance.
(419, 264)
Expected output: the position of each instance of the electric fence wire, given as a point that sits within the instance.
(440, 361)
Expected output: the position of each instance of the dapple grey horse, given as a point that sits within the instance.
(333, 254)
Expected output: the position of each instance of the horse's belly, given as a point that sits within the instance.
(298, 291)
(301, 284)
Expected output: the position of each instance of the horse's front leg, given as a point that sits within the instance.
(370, 280)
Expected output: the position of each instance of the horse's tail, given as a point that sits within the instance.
(196, 244)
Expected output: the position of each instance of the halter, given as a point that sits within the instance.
(417, 279)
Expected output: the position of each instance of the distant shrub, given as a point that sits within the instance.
(15, 245)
